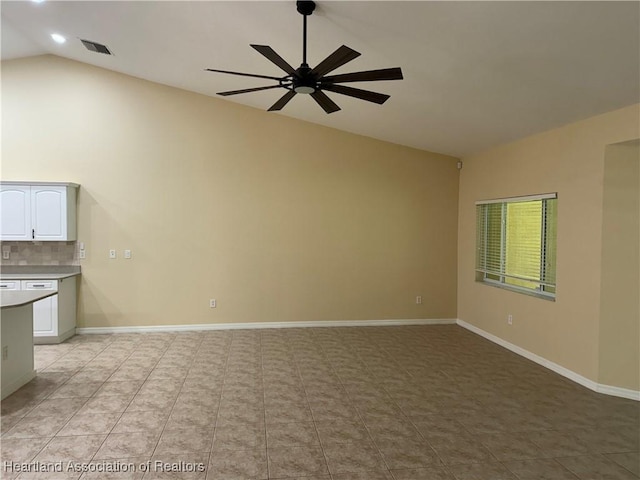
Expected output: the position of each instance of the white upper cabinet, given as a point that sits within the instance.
(38, 211)
(15, 204)
(49, 213)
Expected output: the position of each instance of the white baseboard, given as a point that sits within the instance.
(15, 385)
(55, 339)
(258, 325)
(618, 392)
(565, 372)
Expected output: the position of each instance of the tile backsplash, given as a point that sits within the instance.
(40, 253)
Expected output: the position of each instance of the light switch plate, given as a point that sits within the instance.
(112, 254)
(127, 254)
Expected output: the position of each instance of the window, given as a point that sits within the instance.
(516, 243)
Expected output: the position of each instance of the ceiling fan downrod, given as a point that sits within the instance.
(305, 8)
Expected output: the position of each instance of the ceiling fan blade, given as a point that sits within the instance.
(243, 74)
(247, 90)
(275, 58)
(367, 76)
(283, 101)
(325, 102)
(338, 58)
(367, 95)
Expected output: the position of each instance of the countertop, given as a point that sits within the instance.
(37, 272)
(19, 298)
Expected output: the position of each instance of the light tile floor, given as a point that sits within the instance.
(403, 403)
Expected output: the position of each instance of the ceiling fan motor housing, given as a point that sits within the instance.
(304, 81)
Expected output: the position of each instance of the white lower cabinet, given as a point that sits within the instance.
(44, 321)
(54, 318)
(45, 312)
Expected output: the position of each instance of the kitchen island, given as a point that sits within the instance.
(16, 337)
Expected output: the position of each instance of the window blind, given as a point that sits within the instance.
(516, 242)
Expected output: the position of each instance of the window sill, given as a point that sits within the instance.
(524, 291)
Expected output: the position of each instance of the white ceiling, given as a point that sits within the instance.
(477, 74)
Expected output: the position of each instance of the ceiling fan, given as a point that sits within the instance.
(314, 81)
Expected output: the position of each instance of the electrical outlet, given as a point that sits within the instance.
(510, 319)
(127, 254)
(82, 254)
(112, 253)
(419, 300)
(6, 254)
(212, 303)
(5, 352)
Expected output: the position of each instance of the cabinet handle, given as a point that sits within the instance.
(4, 286)
(38, 285)
(33, 233)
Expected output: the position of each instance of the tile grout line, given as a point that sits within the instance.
(264, 408)
(221, 396)
(313, 416)
(215, 420)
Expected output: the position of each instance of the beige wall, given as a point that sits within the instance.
(279, 220)
(620, 303)
(570, 161)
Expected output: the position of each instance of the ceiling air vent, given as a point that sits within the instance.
(96, 47)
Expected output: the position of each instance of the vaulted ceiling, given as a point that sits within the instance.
(476, 74)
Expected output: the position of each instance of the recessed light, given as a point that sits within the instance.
(58, 38)
(37, 1)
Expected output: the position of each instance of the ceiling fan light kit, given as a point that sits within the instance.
(314, 81)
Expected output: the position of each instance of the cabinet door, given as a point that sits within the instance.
(15, 223)
(45, 322)
(49, 213)
(45, 311)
